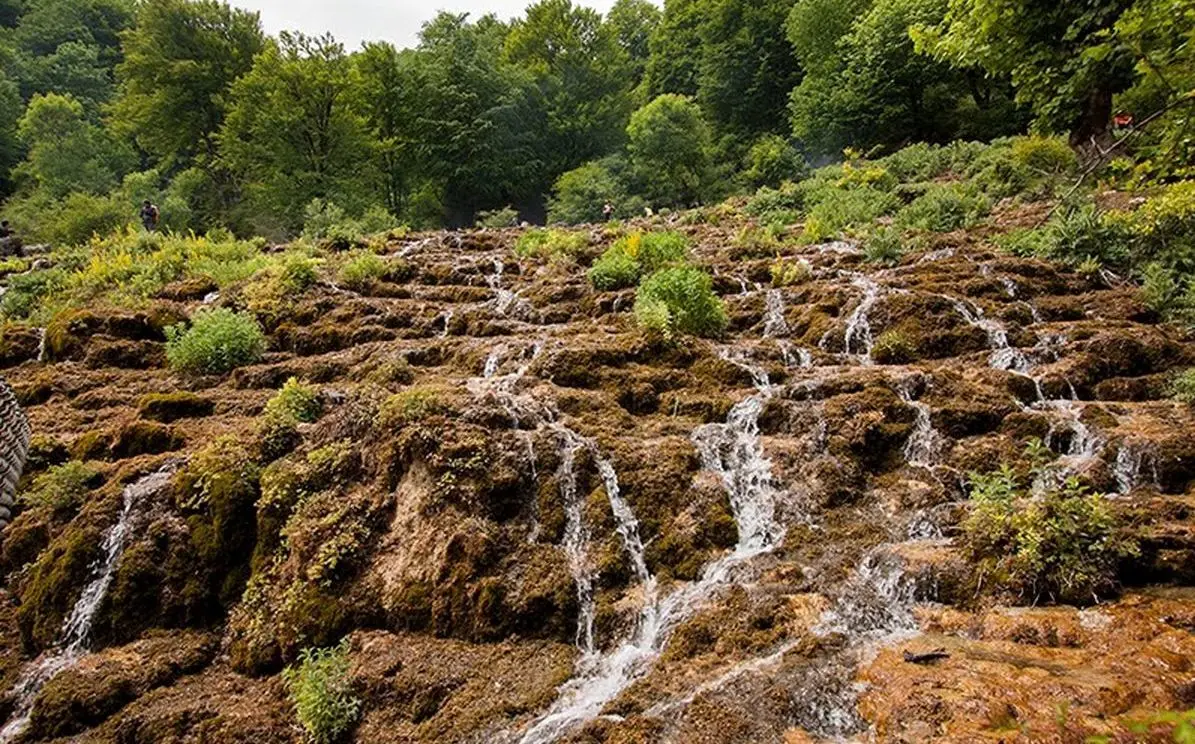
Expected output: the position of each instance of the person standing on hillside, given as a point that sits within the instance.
(149, 216)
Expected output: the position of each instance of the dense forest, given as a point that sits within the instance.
(104, 103)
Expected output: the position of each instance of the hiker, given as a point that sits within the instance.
(149, 215)
(10, 242)
(608, 212)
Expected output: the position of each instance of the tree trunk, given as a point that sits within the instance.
(1092, 134)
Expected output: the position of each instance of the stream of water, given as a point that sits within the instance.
(76, 630)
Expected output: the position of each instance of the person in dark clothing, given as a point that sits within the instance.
(149, 215)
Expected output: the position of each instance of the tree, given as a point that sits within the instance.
(181, 59)
(633, 22)
(578, 70)
(747, 66)
(67, 153)
(580, 195)
(866, 85)
(1063, 58)
(670, 150)
(292, 133)
(10, 144)
(676, 48)
(70, 47)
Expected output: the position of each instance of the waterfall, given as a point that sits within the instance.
(1132, 460)
(774, 323)
(41, 344)
(447, 319)
(858, 326)
(1004, 355)
(76, 630)
(733, 451)
(925, 445)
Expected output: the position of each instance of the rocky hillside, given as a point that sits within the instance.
(534, 522)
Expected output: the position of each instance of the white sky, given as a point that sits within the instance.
(396, 21)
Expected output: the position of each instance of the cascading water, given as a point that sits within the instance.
(733, 451)
(1004, 356)
(858, 340)
(76, 630)
(926, 445)
(774, 325)
(1133, 461)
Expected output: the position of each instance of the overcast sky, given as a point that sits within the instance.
(397, 21)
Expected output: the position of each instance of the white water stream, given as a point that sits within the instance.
(76, 630)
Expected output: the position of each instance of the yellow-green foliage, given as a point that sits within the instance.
(295, 402)
(218, 340)
(412, 406)
(1183, 387)
(551, 245)
(755, 241)
(62, 487)
(637, 255)
(680, 300)
(883, 245)
(321, 691)
(219, 474)
(894, 347)
(361, 270)
(127, 268)
(788, 273)
(1065, 544)
(273, 289)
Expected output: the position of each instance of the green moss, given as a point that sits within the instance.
(54, 583)
(144, 438)
(894, 347)
(62, 487)
(94, 445)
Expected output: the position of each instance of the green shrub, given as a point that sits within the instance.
(295, 401)
(218, 340)
(1159, 288)
(943, 208)
(551, 245)
(1026, 243)
(924, 162)
(894, 347)
(883, 246)
(1164, 228)
(786, 273)
(1065, 544)
(579, 195)
(841, 209)
(62, 487)
(635, 256)
(1183, 387)
(1082, 232)
(361, 270)
(753, 241)
(498, 218)
(781, 205)
(412, 406)
(614, 270)
(1050, 156)
(320, 689)
(680, 300)
(773, 160)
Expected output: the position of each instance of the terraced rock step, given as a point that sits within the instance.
(536, 523)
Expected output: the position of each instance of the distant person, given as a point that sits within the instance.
(149, 215)
(608, 212)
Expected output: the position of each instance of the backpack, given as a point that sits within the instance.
(153, 213)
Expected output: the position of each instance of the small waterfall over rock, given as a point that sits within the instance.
(732, 450)
(1004, 355)
(926, 445)
(858, 340)
(774, 325)
(76, 630)
(1134, 460)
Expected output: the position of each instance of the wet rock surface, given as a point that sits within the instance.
(534, 523)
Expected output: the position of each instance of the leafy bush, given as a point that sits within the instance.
(635, 256)
(272, 290)
(295, 401)
(773, 160)
(1159, 288)
(361, 270)
(551, 245)
(789, 273)
(326, 222)
(62, 487)
(883, 246)
(1183, 387)
(1164, 228)
(943, 208)
(1066, 544)
(218, 340)
(1078, 233)
(579, 195)
(1050, 156)
(894, 347)
(320, 690)
(840, 209)
(921, 162)
(782, 205)
(498, 218)
(680, 300)
(753, 241)
(412, 406)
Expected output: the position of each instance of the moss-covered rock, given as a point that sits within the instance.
(167, 408)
